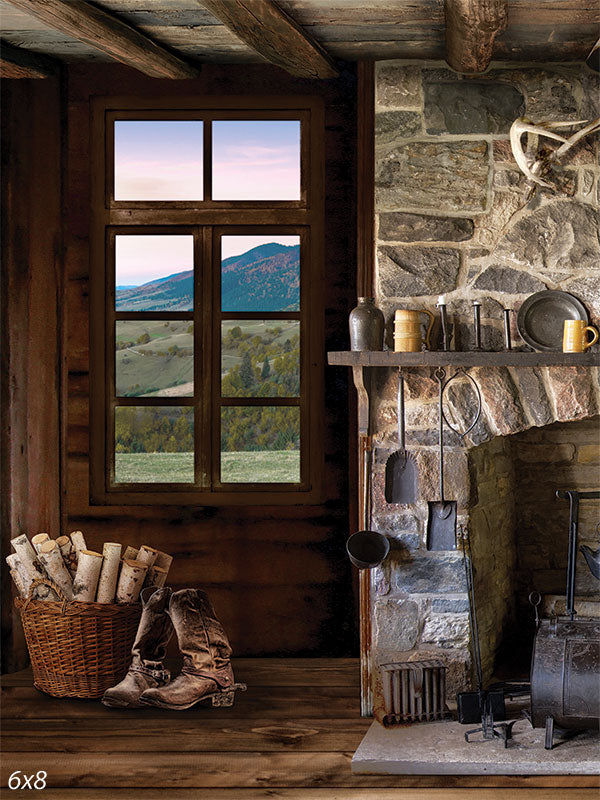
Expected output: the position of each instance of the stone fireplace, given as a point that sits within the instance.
(451, 219)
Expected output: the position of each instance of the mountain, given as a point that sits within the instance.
(171, 293)
(265, 278)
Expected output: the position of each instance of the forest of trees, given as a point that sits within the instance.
(268, 368)
(152, 429)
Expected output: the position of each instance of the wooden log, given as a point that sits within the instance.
(131, 581)
(54, 565)
(156, 577)
(130, 554)
(78, 541)
(19, 583)
(163, 560)
(86, 577)
(31, 566)
(15, 62)
(107, 585)
(147, 555)
(267, 29)
(38, 540)
(110, 35)
(16, 568)
(68, 553)
(471, 28)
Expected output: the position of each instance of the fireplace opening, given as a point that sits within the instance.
(519, 534)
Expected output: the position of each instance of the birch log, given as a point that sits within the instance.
(156, 577)
(130, 553)
(68, 553)
(147, 555)
(52, 560)
(78, 540)
(163, 560)
(16, 566)
(18, 581)
(130, 581)
(86, 577)
(31, 565)
(38, 540)
(107, 584)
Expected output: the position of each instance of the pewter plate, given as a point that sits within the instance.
(541, 318)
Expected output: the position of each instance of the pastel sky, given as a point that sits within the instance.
(162, 160)
(140, 258)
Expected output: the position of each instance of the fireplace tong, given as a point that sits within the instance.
(483, 704)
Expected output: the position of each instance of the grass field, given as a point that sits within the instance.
(273, 466)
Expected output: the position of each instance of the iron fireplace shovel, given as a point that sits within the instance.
(441, 522)
(401, 468)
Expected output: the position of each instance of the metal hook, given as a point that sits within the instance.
(479, 402)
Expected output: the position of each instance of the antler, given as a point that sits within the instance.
(526, 161)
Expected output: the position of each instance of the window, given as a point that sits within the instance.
(206, 318)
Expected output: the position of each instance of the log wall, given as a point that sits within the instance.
(278, 576)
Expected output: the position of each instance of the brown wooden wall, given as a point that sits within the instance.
(278, 576)
(31, 300)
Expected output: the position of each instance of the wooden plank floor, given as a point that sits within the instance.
(291, 736)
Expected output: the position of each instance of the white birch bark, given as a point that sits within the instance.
(78, 540)
(68, 553)
(131, 581)
(147, 555)
(38, 540)
(16, 566)
(19, 583)
(86, 577)
(31, 566)
(107, 584)
(156, 577)
(54, 565)
(163, 560)
(130, 553)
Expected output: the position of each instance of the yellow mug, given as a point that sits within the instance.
(407, 331)
(574, 336)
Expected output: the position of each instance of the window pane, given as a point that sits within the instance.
(256, 160)
(260, 445)
(154, 273)
(260, 273)
(154, 444)
(158, 160)
(260, 358)
(154, 358)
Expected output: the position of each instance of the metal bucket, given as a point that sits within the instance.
(367, 549)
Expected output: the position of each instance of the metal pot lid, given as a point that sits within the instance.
(541, 318)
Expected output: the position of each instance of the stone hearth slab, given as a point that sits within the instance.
(439, 748)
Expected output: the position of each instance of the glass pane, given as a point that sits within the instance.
(260, 444)
(256, 160)
(260, 358)
(158, 160)
(260, 273)
(154, 444)
(154, 358)
(154, 273)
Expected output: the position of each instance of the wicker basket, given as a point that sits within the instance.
(77, 649)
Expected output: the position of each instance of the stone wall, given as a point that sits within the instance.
(451, 218)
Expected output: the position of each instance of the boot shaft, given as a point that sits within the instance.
(155, 628)
(202, 640)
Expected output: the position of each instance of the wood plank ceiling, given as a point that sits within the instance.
(553, 30)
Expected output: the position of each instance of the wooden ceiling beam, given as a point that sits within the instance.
(15, 62)
(269, 31)
(471, 28)
(106, 33)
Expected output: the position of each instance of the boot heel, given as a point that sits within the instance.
(223, 699)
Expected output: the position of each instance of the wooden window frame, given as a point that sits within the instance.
(207, 220)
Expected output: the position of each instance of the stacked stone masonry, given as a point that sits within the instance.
(452, 218)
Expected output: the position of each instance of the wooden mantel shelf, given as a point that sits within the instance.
(439, 358)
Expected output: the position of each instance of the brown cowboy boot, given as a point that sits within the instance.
(206, 672)
(146, 670)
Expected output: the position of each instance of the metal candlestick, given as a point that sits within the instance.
(477, 323)
(441, 304)
(507, 340)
